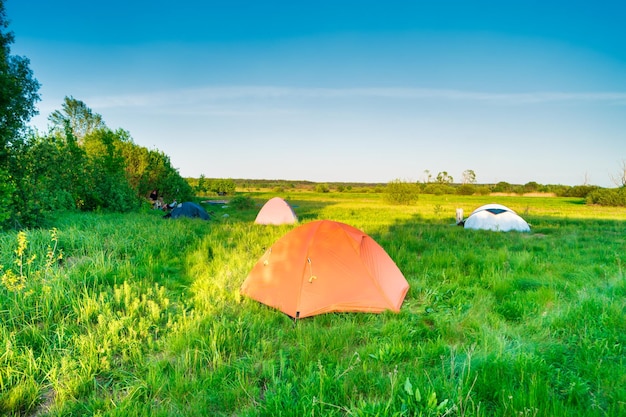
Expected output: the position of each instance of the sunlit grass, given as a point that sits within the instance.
(143, 316)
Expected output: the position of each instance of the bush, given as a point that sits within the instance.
(401, 192)
(242, 202)
(322, 188)
(223, 186)
(581, 191)
(615, 197)
(483, 190)
(466, 189)
(439, 189)
(503, 187)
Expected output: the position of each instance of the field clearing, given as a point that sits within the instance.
(143, 316)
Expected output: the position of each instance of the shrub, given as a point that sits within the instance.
(581, 191)
(401, 192)
(503, 187)
(439, 189)
(322, 188)
(242, 202)
(223, 186)
(466, 189)
(483, 190)
(615, 197)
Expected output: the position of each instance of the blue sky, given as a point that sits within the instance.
(355, 91)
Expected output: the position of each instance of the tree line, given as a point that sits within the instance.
(78, 164)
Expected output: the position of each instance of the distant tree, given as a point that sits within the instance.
(468, 177)
(223, 186)
(428, 177)
(444, 178)
(531, 187)
(201, 186)
(503, 187)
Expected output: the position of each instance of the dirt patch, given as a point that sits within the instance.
(47, 400)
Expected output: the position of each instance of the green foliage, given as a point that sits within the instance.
(483, 190)
(531, 187)
(503, 187)
(100, 170)
(402, 192)
(438, 189)
(322, 188)
(242, 202)
(466, 189)
(147, 170)
(109, 188)
(615, 197)
(7, 189)
(81, 120)
(223, 186)
(581, 191)
(19, 93)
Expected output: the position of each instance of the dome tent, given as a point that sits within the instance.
(496, 217)
(326, 266)
(276, 211)
(188, 209)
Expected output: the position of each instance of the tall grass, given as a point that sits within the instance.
(132, 315)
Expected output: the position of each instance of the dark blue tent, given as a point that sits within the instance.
(189, 209)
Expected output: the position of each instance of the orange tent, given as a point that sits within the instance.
(326, 266)
(276, 211)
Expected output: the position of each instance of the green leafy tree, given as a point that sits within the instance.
(147, 170)
(82, 120)
(18, 95)
(109, 188)
(202, 185)
(55, 173)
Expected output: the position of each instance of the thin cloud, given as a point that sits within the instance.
(195, 96)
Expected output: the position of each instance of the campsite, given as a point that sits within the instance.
(131, 314)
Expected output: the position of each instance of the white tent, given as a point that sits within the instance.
(496, 217)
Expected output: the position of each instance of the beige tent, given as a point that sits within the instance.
(276, 211)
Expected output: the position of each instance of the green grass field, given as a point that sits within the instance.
(135, 315)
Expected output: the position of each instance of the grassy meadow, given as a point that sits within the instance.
(135, 315)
